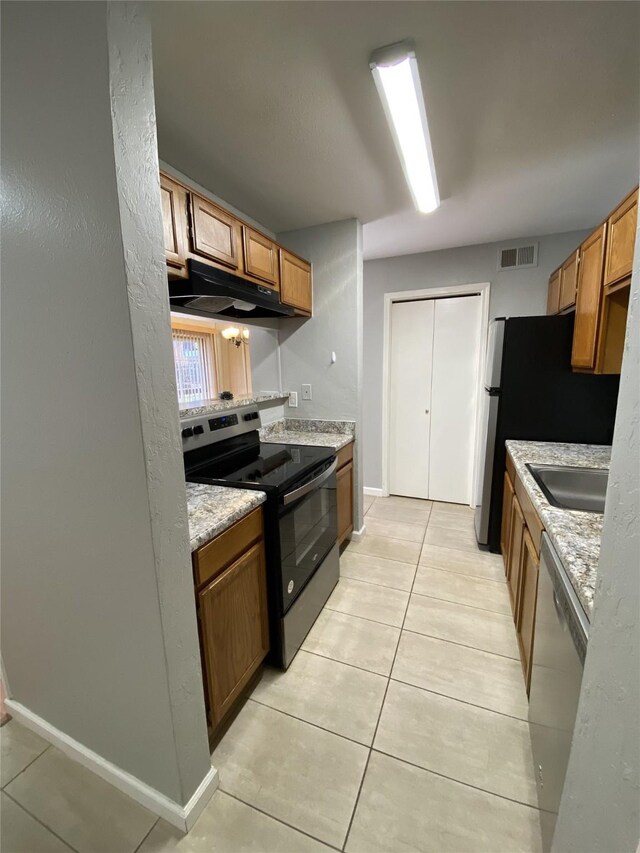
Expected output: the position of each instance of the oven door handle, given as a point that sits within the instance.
(290, 497)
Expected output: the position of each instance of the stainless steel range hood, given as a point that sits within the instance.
(213, 292)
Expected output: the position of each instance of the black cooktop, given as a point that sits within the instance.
(268, 467)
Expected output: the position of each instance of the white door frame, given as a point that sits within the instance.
(484, 290)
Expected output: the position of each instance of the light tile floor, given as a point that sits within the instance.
(400, 726)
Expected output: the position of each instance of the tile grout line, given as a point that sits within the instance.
(38, 820)
(459, 603)
(462, 701)
(457, 781)
(462, 645)
(375, 731)
(26, 767)
(149, 833)
(310, 723)
(462, 574)
(352, 665)
(277, 819)
(365, 618)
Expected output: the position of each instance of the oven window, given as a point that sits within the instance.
(308, 531)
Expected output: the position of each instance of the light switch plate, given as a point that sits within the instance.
(293, 399)
(306, 392)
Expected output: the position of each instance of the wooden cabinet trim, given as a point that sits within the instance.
(511, 468)
(569, 281)
(532, 519)
(215, 556)
(344, 497)
(505, 529)
(344, 455)
(553, 293)
(589, 300)
(622, 226)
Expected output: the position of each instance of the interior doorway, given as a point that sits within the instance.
(433, 355)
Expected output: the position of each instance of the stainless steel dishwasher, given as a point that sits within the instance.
(561, 634)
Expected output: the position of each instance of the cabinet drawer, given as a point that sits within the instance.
(344, 455)
(260, 256)
(216, 555)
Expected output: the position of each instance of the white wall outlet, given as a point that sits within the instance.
(293, 399)
(306, 392)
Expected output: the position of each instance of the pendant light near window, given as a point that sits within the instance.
(235, 335)
(395, 71)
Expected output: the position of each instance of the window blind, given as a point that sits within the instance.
(193, 354)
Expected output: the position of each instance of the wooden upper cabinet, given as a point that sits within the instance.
(589, 300)
(174, 223)
(215, 234)
(621, 240)
(295, 281)
(553, 294)
(569, 281)
(260, 256)
(234, 629)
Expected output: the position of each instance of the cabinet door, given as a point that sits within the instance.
(505, 530)
(295, 281)
(214, 232)
(553, 294)
(174, 222)
(235, 629)
(528, 599)
(621, 240)
(516, 542)
(344, 499)
(569, 281)
(260, 256)
(589, 300)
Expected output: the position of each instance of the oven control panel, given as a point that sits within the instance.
(201, 430)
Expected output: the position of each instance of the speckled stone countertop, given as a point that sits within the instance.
(204, 407)
(575, 535)
(317, 433)
(212, 509)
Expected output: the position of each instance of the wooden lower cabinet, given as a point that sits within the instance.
(505, 530)
(514, 563)
(344, 492)
(232, 616)
(527, 605)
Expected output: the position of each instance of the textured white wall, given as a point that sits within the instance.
(600, 808)
(514, 293)
(98, 625)
(335, 250)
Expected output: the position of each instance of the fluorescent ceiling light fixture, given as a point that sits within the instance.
(395, 71)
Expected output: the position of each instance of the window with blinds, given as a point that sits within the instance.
(194, 356)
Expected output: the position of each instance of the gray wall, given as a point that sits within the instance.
(335, 250)
(600, 808)
(265, 359)
(514, 293)
(98, 624)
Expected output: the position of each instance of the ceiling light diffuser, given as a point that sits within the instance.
(395, 71)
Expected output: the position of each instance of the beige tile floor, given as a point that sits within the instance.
(400, 726)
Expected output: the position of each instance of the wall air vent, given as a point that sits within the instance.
(518, 257)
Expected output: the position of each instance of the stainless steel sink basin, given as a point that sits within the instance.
(572, 488)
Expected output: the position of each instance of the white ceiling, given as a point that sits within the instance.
(534, 112)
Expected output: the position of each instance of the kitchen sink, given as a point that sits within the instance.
(572, 488)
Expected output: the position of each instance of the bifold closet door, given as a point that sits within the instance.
(454, 396)
(411, 350)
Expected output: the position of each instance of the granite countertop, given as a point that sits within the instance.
(204, 407)
(575, 535)
(309, 432)
(212, 509)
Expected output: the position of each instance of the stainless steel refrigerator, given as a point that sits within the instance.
(531, 393)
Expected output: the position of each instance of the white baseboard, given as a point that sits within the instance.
(182, 817)
(357, 535)
(374, 493)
